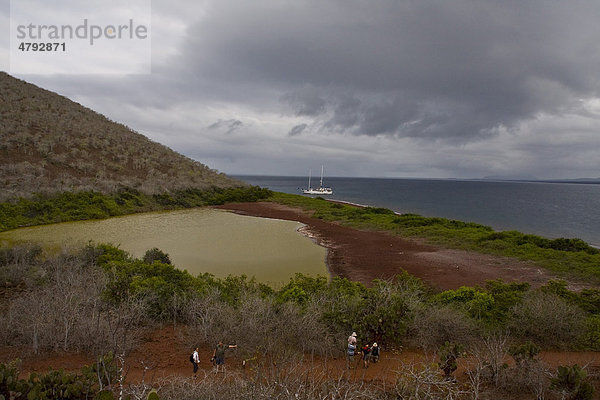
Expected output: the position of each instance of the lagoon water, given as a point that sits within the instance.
(199, 240)
(547, 209)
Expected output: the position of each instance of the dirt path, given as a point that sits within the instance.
(163, 354)
(364, 256)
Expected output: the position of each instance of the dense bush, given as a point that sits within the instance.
(433, 325)
(155, 254)
(52, 385)
(548, 320)
(572, 382)
(560, 244)
(490, 305)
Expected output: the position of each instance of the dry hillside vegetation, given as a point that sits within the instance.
(51, 144)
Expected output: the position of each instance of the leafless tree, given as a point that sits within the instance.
(426, 382)
(545, 318)
(432, 326)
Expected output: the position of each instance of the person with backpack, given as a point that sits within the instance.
(195, 360)
(350, 355)
(375, 353)
(366, 355)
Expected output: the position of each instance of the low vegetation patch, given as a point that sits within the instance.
(69, 206)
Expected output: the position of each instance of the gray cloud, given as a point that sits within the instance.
(440, 69)
(226, 126)
(296, 130)
(305, 101)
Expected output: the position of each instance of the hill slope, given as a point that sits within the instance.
(51, 144)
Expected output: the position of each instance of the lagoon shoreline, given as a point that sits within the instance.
(367, 255)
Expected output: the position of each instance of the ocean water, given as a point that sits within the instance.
(547, 209)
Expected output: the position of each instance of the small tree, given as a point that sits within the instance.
(572, 381)
(524, 353)
(449, 353)
(156, 254)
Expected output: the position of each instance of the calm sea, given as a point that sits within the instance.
(546, 209)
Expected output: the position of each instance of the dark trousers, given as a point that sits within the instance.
(195, 367)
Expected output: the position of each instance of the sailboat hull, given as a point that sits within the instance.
(318, 191)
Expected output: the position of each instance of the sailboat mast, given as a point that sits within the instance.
(321, 183)
(309, 178)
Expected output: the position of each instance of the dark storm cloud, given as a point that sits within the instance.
(227, 126)
(298, 129)
(305, 101)
(435, 69)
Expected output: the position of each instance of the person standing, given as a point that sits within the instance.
(352, 338)
(366, 355)
(375, 353)
(351, 350)
(350, 355)
(195, 361)
(219, 354)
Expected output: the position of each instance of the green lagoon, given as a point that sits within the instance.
(199, 240)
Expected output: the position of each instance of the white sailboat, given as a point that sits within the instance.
(320, 190)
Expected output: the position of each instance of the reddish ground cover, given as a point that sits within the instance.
(364, 256)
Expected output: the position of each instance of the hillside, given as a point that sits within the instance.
(50, 144)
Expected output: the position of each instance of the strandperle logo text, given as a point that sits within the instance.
(85, 30)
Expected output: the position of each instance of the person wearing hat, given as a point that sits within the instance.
(375, 353)
(352, 338)
(350, 352)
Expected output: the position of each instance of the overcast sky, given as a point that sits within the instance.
(381, 88)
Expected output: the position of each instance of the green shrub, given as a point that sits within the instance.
(104, 395)
(156, 254)
(591, 337)
(524, 353)
(9, 379)
(572, 381)
(52, 385)
(477, 303)
(449, 353)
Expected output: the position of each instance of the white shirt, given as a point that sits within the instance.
(196, 358)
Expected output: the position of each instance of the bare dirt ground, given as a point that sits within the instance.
(163, 355)
(364, 256)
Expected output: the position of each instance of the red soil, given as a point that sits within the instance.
(364, 256)
(164, 354)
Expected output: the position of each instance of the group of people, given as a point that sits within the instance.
(218, 357)
(369, 353)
